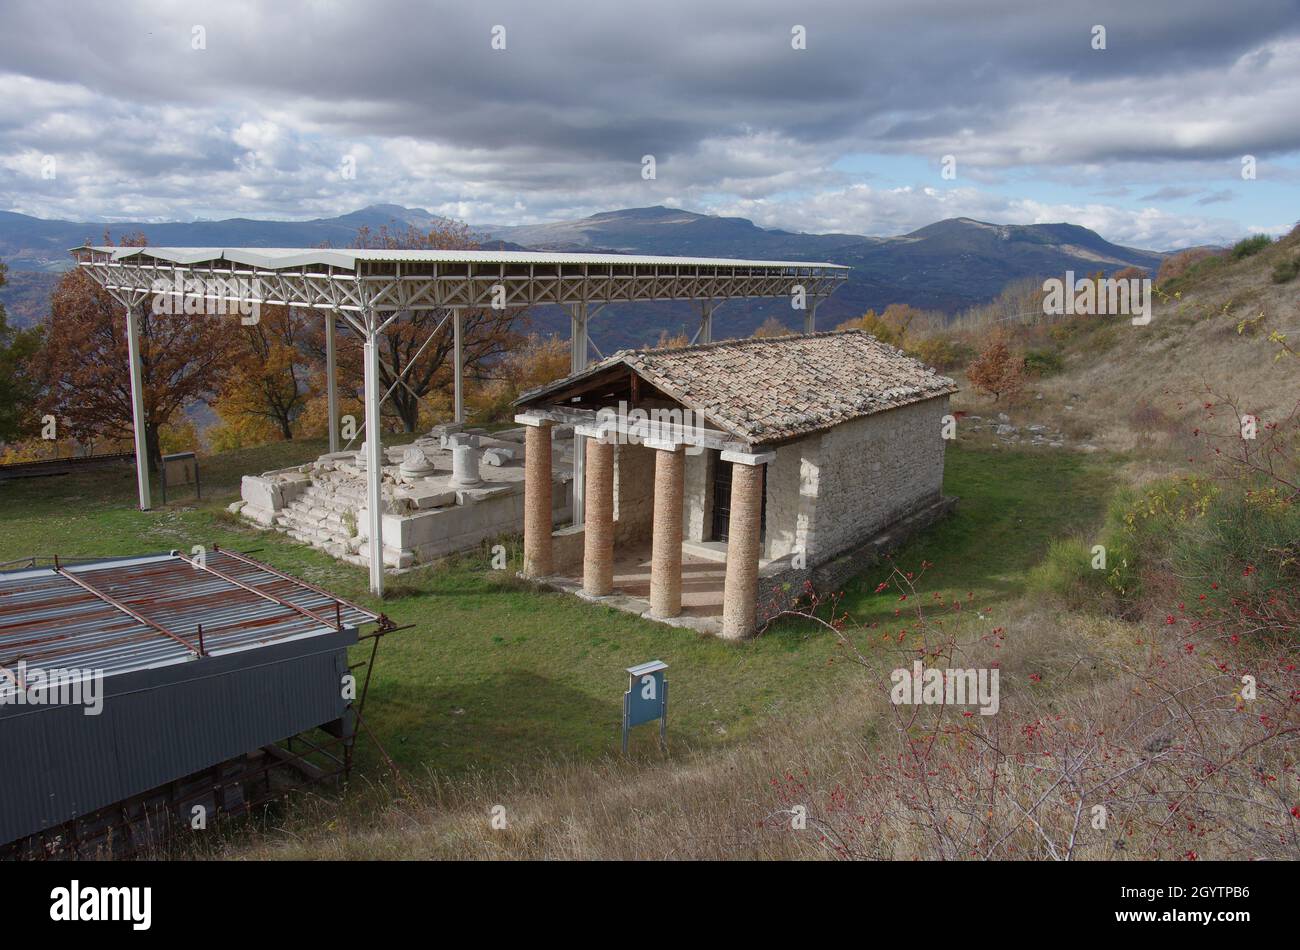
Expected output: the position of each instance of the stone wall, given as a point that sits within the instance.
(781, 582)
(793, 479)
(697, 514)
(872, 472)
(634, 493)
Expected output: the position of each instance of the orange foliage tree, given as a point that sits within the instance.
(271, 376)
(184, 360)
(890, 327)
(410, 349)
(771, 327)
(998, 370)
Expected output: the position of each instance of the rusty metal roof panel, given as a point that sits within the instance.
(139, 613)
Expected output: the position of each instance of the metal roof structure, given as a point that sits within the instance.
(371, 288)
(131, 614)
(356, 280)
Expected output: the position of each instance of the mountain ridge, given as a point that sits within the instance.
(947, 265)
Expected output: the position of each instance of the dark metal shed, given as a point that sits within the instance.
(191, 662)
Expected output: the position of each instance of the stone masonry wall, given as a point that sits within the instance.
(698, 509)
(793, 478)
(874, 471)
(634, 493)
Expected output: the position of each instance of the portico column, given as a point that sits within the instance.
(538, 490)
(666, 547)
(598, 537)
(740, 590)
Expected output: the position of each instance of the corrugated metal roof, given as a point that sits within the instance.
(276, 258)
(49, 621)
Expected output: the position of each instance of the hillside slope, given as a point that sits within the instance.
(1133, 387)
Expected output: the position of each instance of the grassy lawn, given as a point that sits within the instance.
(496, 675)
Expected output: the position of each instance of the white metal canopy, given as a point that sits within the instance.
(370, 288)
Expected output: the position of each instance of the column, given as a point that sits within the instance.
(666, 547)
(374, 455)
(740, 590)
(810, 317)
(331, 383)
(538, 488)
(706, 322)
(598, 538)
(138, 420)
(458, 360)
(577, 363)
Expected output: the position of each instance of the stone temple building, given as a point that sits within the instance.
(714, 480)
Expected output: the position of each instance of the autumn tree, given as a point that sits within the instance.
(271, 373)
(415, 352)
(538, 361)
(18, 385)
(998, 370)
(84, 364)
(771, 327)
(672, 341)
(890, 327)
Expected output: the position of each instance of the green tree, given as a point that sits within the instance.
(19, 391)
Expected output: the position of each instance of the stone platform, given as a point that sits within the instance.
(446, 492)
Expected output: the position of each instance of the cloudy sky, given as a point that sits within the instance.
(176, 111)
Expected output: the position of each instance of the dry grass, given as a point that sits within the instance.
(1079, 683)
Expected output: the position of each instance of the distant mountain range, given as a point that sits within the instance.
(947, 266)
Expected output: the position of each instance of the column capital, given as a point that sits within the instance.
(531, 419)
(749, 458)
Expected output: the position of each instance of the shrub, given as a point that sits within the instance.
(943, 353)
(1251, 245)
(1175, 265)
(771, 327)
(1042, 363)
(1068, 571)
(1286, 269)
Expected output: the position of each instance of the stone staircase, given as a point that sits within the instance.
(325, 516)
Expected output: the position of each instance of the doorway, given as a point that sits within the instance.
(722, 500)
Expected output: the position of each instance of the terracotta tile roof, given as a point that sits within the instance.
(771, 389)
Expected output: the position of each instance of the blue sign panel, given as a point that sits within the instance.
(646, 698)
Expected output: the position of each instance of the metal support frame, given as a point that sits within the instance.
(810, 316)
(705, 332)
(331, 384)
(577, 363)
(458, 359)
(138, 423)
(374, 449)
(362, 289)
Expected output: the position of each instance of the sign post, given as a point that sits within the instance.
(180, 468)
(646, 699)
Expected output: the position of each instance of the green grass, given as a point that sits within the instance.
(496, 674)
(1012, 505)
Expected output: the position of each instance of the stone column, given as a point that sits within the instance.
(666, 549)
(538, 491)
(740, 591)
(598, 537)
